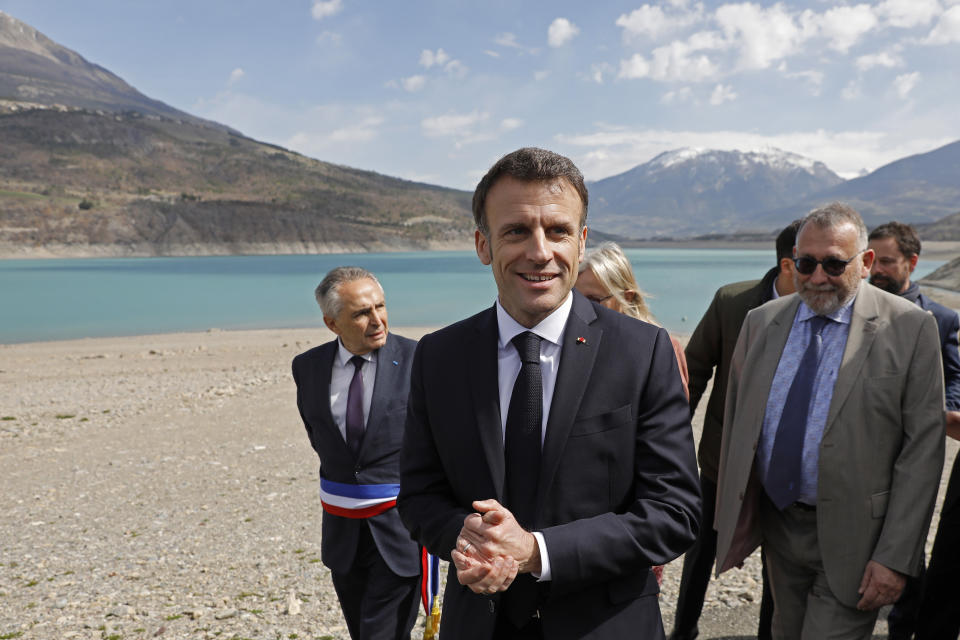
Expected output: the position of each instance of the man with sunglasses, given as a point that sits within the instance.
(897, 247)
(832, 439)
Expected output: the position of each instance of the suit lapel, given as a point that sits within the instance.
(863, 329)
(388, 369)
(481, 356)
(581, 343)
(324, 364)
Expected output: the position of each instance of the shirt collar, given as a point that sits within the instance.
(343, 355)
(550, 328)
(912, 293)
(841, 315)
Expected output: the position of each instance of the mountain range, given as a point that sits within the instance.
(696, 191)
(90, 166)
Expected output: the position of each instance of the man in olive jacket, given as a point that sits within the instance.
(711, 346)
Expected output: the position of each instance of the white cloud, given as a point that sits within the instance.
(852, 91)
(413, 83)
(561, 31)
(325, 8)
(492, 54)
(598, 72)
(648, 20)
(509, 124)
(430, 58)
(845, 26)
(763, 36)
(358, 127)
(634, 67)
(722, 93)
(541, 75)
(886, 59)
(677, 96)
(813, 78)
(453, 124)
(653, 22)
(456, 69)
(675, 62)
(613, 150)
(947, 29)
(905, 83)
(507, 39)
(363, 131)
(909, 13)
(235, 76)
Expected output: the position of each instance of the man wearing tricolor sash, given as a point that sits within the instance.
(352, 396)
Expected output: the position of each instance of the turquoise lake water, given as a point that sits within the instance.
(93, 297)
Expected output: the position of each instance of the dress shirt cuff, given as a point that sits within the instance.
(545, 573)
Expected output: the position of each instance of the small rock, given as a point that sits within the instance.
(293, 604)
(121, 611)
(225, 614)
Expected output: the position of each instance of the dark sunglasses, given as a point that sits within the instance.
(831, 266)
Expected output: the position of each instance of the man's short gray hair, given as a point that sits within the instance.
(834, 215)
(328, 291)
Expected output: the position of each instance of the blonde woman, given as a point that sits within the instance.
(606, 277)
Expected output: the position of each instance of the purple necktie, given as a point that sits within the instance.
(786, 459)
(355, 406)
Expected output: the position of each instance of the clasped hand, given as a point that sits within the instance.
(493, 548)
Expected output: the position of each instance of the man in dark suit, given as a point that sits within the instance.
(548, 450)
(897, 248)
(352, 395)
(711, 346)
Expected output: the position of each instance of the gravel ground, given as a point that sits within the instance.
(163, 486)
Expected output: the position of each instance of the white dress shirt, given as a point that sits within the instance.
(551, 330)
(340, 378)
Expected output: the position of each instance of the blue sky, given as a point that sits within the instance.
(435, 91)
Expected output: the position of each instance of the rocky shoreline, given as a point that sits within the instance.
(163, 486)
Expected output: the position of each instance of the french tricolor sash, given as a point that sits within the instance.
(357, 500)
(429, 592)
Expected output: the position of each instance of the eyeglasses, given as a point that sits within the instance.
(831, 266)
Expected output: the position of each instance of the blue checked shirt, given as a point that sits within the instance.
(834, 342)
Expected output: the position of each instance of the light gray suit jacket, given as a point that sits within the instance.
(883, 443)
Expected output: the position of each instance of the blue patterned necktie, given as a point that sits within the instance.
(786, 459)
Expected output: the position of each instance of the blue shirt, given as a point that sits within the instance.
(834, 337)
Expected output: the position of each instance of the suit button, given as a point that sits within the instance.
(741, 495)
(493, 607)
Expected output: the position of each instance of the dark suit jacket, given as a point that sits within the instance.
(378, 459)
(618, 489)
(948, 323)
(711, 345)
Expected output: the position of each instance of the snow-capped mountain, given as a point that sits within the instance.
(697, 191)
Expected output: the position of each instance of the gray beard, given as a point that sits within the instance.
(824, 303)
